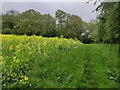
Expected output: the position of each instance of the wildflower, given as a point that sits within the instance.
(30, 52)
(17, 61)
(14, 58)
(44, 43)
(26, 78)
(21, 80)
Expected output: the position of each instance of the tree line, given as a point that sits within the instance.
(32, 22)
(108, 26)
(105, 29)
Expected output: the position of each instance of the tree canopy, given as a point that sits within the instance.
(108, 30)
(32, 22)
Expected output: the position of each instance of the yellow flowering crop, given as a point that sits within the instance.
(19, 52)
(25, 78)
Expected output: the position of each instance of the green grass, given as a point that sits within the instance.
(68, 64)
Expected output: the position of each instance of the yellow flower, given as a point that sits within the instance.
(44, 43)
(17, 61)
(14, 58)
(30, 52)
(21, 80)
(26, 78)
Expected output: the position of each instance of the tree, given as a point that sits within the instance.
(75, 27)
(108, 26)
(9, 20)
(88, 31)
(29, 23)
(32, 22)
(60, 16)
(49, 25)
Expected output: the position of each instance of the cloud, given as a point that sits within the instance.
(46, 0)
(82, 9)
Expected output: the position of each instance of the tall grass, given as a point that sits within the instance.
(38, 62)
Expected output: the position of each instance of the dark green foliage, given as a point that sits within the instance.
(88, 32)
(71, 26)
(9, 20)
(109, 23)
(32, 22)
(60, 16)
(29, 22)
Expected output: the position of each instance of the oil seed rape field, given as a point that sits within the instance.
(39, 62)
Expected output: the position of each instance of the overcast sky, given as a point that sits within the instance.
(82, 9)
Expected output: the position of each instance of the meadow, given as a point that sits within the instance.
(40, 62)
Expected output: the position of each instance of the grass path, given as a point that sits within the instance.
(85, 66)
(89, 73)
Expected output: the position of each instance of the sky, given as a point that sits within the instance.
(82, 9)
